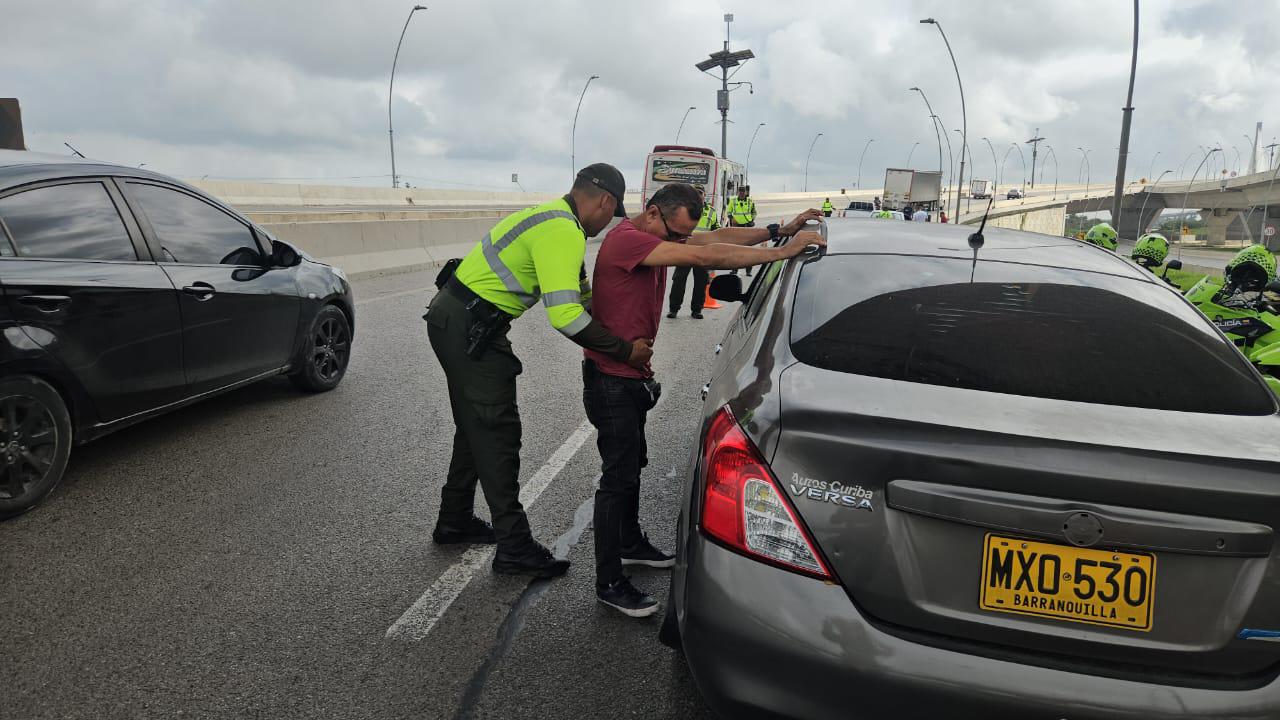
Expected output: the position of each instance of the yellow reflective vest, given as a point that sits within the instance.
(742, 211)
(535, 254)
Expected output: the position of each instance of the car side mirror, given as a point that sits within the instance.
(727, 288)
(1173, 265)
(284, 255)
(1274, 286)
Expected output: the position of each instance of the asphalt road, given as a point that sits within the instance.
(247, 557)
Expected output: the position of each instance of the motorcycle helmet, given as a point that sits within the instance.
(883, 214)
(1102, 235)
(1151, 250)
(1251, 268)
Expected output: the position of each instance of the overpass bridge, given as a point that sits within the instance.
(1232, 208)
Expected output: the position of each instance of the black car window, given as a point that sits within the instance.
(190, 230)
(1021, 330)
(78, 221)
(760, 290)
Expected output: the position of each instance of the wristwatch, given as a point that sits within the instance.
(773, 232)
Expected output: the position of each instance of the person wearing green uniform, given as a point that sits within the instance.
(742, 209)
(701, 276)
(535, 255)
(827, 207)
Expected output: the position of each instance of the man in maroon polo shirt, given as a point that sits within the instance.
(628, 291)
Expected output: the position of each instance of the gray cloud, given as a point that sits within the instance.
(487, 87)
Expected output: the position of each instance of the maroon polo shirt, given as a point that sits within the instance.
(626, 296)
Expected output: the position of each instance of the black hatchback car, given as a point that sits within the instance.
(127, 294)
(1026, 481)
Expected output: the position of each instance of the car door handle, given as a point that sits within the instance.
(202, 290)
(46, 303)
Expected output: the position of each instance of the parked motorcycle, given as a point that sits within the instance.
(1241, 309)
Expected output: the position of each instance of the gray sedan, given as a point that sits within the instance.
(1027, 481)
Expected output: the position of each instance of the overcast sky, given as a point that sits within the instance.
(298, 90)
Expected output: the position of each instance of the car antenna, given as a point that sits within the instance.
(74, 150)
(976, 240)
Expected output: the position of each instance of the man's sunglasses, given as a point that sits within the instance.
(674, 237)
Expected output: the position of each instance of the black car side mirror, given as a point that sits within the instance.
(727, 288)
(284, 255)
(1274, 287)
(1173, 265)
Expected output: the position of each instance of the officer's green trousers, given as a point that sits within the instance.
(486, 440)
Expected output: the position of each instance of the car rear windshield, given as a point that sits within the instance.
(1018, 329)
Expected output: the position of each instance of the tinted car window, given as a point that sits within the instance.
(1018, 329)
(760, 290)
(77, 221)
(190, 230)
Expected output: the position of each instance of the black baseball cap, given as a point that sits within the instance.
(609, 179)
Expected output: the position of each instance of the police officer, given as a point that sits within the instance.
(742, 209)
(535, 254)
(701, 276)
(827, 207)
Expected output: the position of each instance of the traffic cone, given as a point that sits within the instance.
(710, 303)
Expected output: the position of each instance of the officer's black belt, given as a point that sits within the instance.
(459, 290)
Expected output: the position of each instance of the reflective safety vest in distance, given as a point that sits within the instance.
(742, 211)
(709, 220)
(826, 207)
(534, 254)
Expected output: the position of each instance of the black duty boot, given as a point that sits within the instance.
(671, 315)
(697, 315)
(622, 596)
(644, 553)
(474, 530)
(529, 559)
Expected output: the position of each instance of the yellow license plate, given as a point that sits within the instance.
(1062, 582)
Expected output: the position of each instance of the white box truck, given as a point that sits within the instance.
(980, 189)
(920, 189)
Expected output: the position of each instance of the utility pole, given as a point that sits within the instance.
(1035, 147)
(1118, 200)
(1253, 156)
(725, 60)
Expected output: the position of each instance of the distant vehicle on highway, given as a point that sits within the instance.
(128, 294)
(1034, 482)
(719, 178)
(859, 208)
(1014, 194)
(921, 189)
(979, 189)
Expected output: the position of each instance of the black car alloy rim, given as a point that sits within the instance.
(331, 348)
(28, 442)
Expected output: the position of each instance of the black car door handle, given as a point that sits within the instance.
(46, 303)
(202, 291)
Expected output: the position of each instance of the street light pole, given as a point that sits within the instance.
(913, 152)
(686, 115)
(573, 134)
(1142, 211)
(747, 170)
(1084, 160)
(964, 117)
(1186, 160)
(965, 149)
(1123, 157)
(806, 161)
(1151, 168)
(1004, 160)
(1192, 182)
(935, 125)
(994, 169)
(1054, 155)
(858, 183)
(391, 135)
(951, 159)
(1023, 159)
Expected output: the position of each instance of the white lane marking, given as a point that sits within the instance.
(388, 296)
(417, 621)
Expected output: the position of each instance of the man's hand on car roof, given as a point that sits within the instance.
(803, 240)
(797, 222)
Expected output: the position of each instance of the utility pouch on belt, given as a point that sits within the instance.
(446, 272)
(654, 390)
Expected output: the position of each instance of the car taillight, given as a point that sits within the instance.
(742, 506)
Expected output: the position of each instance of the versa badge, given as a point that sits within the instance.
(852, 496)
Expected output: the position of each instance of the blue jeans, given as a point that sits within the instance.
(617, 407)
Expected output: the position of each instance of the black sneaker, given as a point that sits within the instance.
(474, 530)
(644, 553)
(622, 596)
(697, 315)
(531, 559)
(671, 315)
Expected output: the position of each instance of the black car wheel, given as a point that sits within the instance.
(35, 442)
(325, 352)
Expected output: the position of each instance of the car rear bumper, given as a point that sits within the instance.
(763, 642)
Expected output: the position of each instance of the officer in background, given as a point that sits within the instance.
(742, 209)
(535, 254)
(827, 208)
(701, 276)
